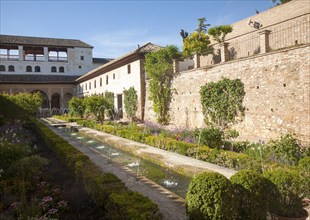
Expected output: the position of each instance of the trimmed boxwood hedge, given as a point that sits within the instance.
(211, 196)
(105, 189)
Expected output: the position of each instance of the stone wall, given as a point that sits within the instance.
(289, 24)
(277, 100)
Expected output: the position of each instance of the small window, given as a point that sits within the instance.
(85, 86)
(37, 69)
(53, 69)
(89, 85)
(80, 67)
(107, 80)
(11, 68)
(2, 68)
(82, 87)
(100, 82)
(128, 69)
(61, 69)
(95, 84)
(28, 69)
(82, 57)
(113, 75)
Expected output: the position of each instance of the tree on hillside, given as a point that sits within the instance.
(159, 68)
(184, 34)
(198, 41)
(219, 32)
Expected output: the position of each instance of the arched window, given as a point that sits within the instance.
(61, 69)
(11, 68)
(28, 69)
(53, 69)
(37, 69)
(2, 68)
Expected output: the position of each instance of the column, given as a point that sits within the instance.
(176, 66)
(264, 41)
(224, 52)
(196, 60)
(21, 53)
(45, 50)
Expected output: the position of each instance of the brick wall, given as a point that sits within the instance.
(277, 100)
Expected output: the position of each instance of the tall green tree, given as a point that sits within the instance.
(131, 102)
(184, 34)
(202, 25)
(222, 102)
(159, 68)
(219, 32)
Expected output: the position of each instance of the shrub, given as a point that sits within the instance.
(256, 194)
(286, 150)
(131, 205)
(212, 137)
(288, 184)
(211, 196)
(9, 153)
(304, 172)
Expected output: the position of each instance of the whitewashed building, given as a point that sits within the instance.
(47, 65)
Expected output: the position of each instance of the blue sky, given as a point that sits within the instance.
(116, 27)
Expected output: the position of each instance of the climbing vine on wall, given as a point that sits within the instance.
(159, 68)
(222, 102)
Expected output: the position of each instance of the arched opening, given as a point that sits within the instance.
(28, 69)
(37, 69)
(45, 103)
(55, 102)
(11, 68)
(61, 69)
(53, 69)
(2, 68)
(66, 99)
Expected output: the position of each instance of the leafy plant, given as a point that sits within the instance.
(130, 102)
(212, 137)
(222, 102)
(77, 106)
(211, 196)
(97, 106)
(304, 172)
(286, 149)
(257, 195)
(219, 32)
(159, 70)
(288, 184)
(197, 43)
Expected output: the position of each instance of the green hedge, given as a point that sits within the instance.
(103, 188)
(225, 158)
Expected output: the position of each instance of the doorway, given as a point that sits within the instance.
(120, 105)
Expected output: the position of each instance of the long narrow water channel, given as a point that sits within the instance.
(163, 176)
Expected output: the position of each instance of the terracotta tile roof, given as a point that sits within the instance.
(24, 40)
(26, 79)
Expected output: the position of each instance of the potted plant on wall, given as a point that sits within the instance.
(288, 184)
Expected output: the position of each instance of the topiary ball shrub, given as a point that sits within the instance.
(288, 183)
(257, 194)
(211, 196)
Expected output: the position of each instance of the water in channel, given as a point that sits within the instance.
(163, 176)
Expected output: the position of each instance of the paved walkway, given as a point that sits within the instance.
(171, 205)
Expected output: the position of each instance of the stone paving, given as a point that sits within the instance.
(171, 205)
